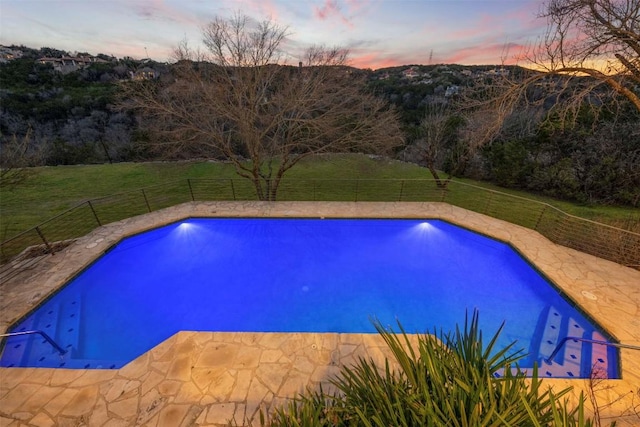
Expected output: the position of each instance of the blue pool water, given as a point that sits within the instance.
(303, 275)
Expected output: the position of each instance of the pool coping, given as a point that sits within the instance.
(170, 382)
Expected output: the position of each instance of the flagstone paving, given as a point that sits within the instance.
(212, 379)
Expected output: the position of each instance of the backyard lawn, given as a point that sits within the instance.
(47, 191)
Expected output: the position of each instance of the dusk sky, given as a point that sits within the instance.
(378, 33)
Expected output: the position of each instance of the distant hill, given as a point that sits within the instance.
(63, 101)
(58, 107)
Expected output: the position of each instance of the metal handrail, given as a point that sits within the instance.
(55, 345)
(588, 340)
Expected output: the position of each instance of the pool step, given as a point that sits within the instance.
(599, 357)
(16, 348)
(19, 350)
(60, 321)
(576, 358)
(568, 362)
(71, 363)
(550, 333)
(68, 332)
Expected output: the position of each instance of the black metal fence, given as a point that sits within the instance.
(605, 241)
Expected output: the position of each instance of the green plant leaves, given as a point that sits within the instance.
(437, 380)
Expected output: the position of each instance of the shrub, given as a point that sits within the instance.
(450, 380)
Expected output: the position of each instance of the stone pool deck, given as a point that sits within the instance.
(208, 379)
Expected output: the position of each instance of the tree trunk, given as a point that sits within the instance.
(440, 183)
(257, 184)
(266, 188)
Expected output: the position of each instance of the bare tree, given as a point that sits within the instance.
(588, 60)
(438, 142)
(435, 128)
(16, 156)
(453, 134)
(597, 38)
(238, 100)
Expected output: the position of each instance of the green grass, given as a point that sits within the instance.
(50, 190)
(606, 214)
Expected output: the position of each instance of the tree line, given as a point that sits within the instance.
(50, 118)
(565, 130)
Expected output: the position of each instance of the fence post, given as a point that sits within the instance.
(540, 218)
(486, 208)
(45, 241)
(191, 189)
(95, 215)
(145, 199)
(401, 190)
(233, 189)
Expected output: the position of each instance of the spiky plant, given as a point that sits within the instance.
(446, 380)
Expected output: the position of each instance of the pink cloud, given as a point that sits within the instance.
(356, 6)
(493, 27)
(493, 53)
(334, 10)
(376, 60)
(331, 10)
(490, 54)
(484, 54)
(485, 25)
(159, 10)
(526, 15)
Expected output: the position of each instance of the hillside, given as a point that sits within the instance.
(60, 108)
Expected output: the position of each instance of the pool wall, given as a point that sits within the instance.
(167, 382)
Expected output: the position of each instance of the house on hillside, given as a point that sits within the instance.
(497, 72)
(7, 54)
(146, 73)
(411, 73)
(451, 91)
(69, 64)
(423, 81)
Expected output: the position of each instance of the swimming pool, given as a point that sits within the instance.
(302, 275)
